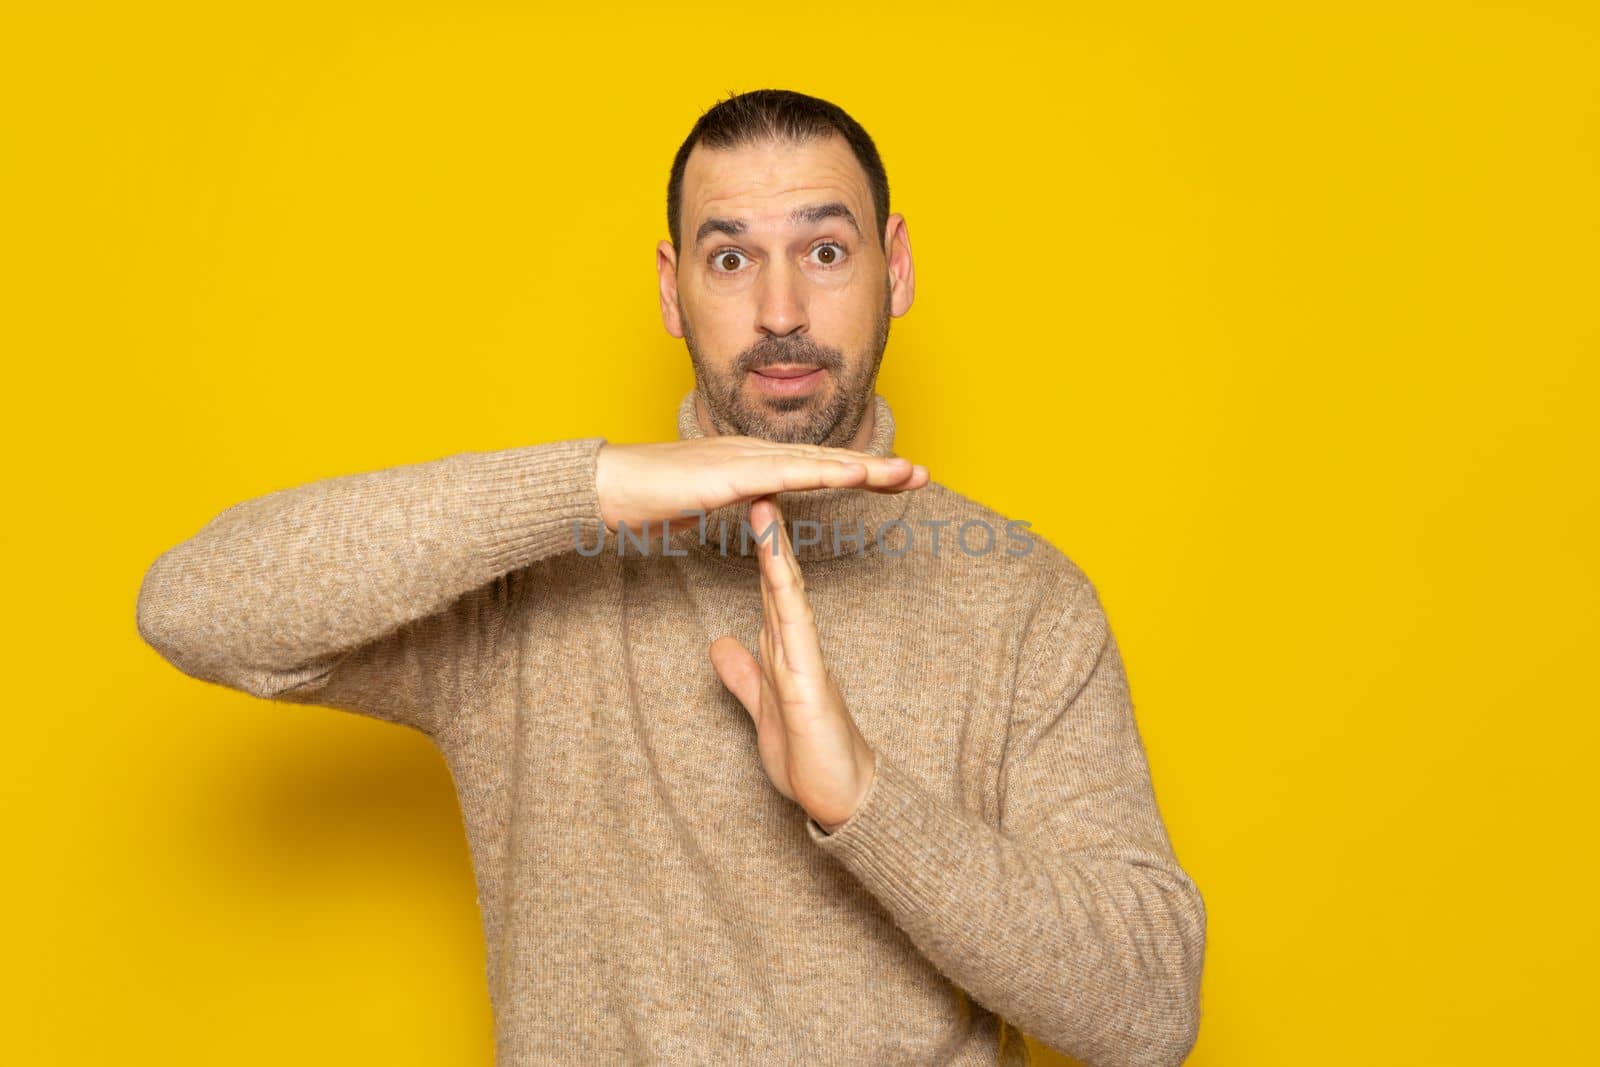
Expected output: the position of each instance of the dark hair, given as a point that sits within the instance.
(779, 115)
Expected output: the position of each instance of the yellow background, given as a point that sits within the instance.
(1279, 319)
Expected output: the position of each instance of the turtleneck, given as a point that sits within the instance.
(1008, 868)
(841, 512)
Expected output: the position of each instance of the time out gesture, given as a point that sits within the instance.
(808, 742)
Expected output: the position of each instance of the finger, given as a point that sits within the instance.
(796, 626)
(794, 448)
(792, 575)
(779, 472)
(885, 464)
(739, 673)
(916, 479)
(887, 471)
(761, 520)
(775, 473)
(771, 652)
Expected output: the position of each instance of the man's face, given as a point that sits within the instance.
(782, 292)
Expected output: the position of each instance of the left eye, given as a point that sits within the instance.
(834, 252)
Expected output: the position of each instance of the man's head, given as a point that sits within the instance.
(783, 259)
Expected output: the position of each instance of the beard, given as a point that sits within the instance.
(827, 416)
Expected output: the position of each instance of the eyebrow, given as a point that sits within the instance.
(807, 213)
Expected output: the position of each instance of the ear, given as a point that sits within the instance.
(667, 271)
(902, 277)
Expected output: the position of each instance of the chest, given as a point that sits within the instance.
(927, 670)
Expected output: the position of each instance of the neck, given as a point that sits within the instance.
(860, 441)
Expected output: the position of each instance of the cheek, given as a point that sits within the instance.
(849, 315)
(715, 326)
(715, 322)
(716, 304)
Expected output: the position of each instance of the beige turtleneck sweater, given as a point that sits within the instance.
(647, 895)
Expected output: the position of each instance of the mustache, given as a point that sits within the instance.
(776, 351)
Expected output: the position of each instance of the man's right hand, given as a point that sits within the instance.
(654, 483)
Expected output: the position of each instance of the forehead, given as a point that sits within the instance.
(760, 182)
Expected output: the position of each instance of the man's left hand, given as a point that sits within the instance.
(809, 744)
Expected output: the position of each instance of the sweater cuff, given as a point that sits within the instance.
(523, 504)
(902, 842)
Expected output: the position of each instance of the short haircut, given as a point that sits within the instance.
(775, 115)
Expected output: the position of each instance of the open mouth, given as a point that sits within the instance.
(787, 379)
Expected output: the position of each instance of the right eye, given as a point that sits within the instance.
(722, 256)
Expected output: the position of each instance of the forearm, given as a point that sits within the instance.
(276, 585)
(1097, 953)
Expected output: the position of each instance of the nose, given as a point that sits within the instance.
(780, 301)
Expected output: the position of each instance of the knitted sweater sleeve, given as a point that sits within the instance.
(382, 593)
(1072, 919)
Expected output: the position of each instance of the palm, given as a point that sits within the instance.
(648, 483)
(808, 742)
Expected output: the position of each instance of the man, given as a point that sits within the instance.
(919, 812)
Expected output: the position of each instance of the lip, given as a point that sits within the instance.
(788, 379)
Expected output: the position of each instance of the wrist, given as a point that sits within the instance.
(603, 473)
(870, 762)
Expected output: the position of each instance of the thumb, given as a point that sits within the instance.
(739, 672)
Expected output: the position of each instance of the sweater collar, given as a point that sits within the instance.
(839, 514)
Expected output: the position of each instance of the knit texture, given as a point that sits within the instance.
(647, 895)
